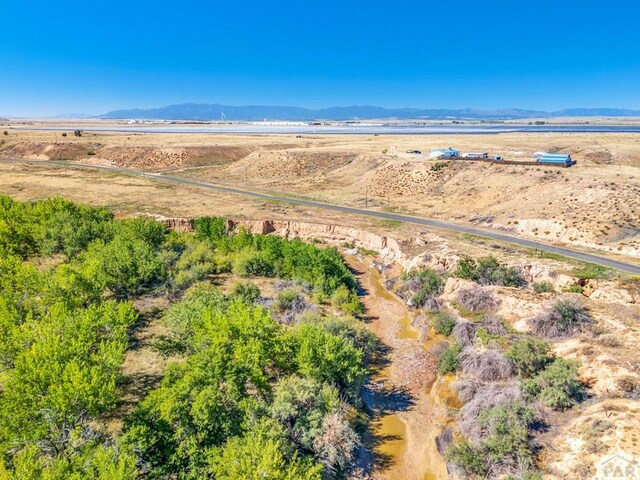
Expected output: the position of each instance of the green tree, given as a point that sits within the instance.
(328, 358)
(254, 457)
(126, 266)
(94, 461)
(67, 372)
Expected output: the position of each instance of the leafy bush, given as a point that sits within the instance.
(196, 261)
(349, 329)
(487, 271)
(68, 371)
(564, 318)
(251, 264)
(125, 266)
(443, 323)
(508, 434)
(427, 285)
(347, 301)
(450, 361)
(469, 458)
(92, 459)
(62, 345)
(506, 445)
(529, 356)
(210, 228)
(476, 299)
(246, 291)
(557, 385)
(543, 287)
(255, 457)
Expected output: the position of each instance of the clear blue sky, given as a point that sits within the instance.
(95, 56)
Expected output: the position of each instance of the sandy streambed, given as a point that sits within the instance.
(407, 416)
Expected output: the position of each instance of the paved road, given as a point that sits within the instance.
(428, 222)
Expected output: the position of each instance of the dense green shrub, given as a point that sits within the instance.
(347, 301)
(249, 264)
(93, 460)
(557, 385)
(347, 328)
(329, 358)
(426, 283)
(530, 355)
(210, 228)
(248, 397)
(450, 361)
(443, 323)
(508, 434)
(506, 444)
(68, 371)
(125, 266)
(246, 291)
(487, 271)
(50, 226)
(469, 458)
(257, 457)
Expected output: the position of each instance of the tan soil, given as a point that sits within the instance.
(595, 204)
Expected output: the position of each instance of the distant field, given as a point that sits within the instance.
(594, 204)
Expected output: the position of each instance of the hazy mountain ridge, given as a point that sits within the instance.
(202, 112)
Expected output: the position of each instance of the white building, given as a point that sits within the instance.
(444, 153)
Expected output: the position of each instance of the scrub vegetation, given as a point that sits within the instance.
(508, 383)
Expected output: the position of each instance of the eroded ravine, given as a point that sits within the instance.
(407, 418)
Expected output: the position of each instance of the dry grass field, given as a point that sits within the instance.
(594, 204)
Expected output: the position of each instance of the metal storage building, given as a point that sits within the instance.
(475, 155)
(555, 158)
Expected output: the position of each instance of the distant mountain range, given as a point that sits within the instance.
(204, 112)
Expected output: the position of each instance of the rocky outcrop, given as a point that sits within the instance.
(536, 272)
(607, 292)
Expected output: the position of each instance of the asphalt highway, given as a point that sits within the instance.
(427, 222)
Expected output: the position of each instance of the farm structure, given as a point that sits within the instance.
(444, 153)
(475, 155)
(501, 161)
(539, 158)
(555, 158)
